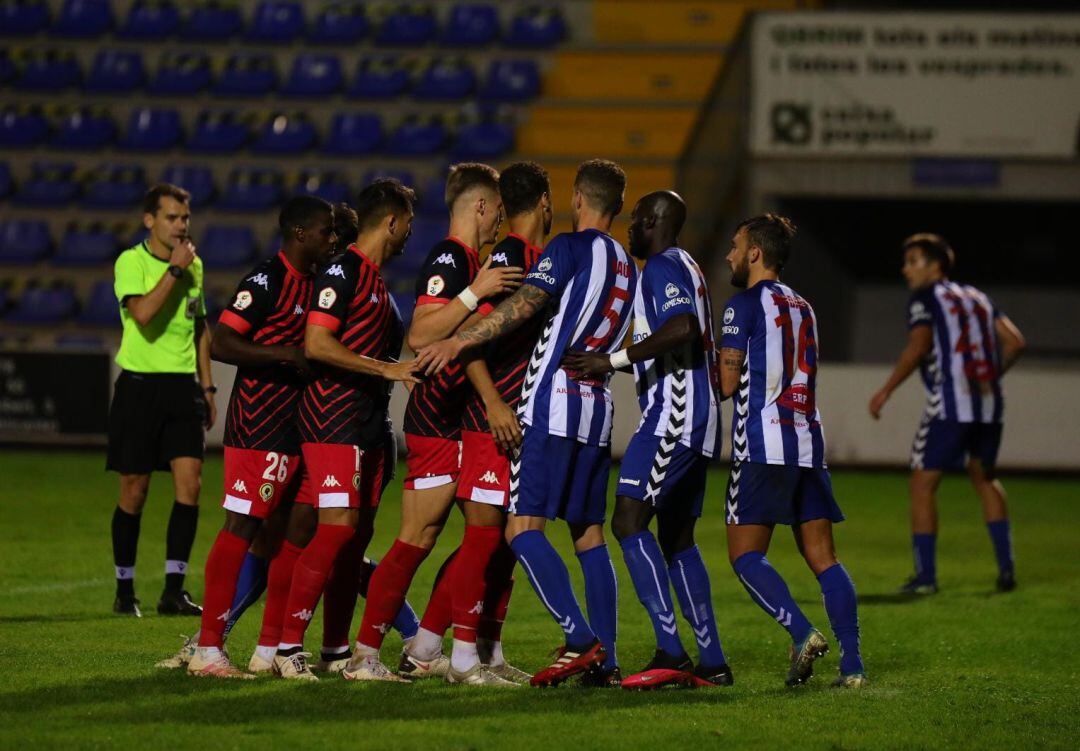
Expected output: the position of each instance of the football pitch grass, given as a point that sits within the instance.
(966, 668)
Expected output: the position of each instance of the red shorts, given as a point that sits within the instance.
(431, 462)
(256, 480)
(485, 470)
(341, 475)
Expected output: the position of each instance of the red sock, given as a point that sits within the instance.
(468, 587)
(222, 569)
(278, 583)
(438, 615)
(309, 579)
(342, 589)
(500, 584)
(387, 590)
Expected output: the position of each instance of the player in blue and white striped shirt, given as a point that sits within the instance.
(768, 363)
(561, 470)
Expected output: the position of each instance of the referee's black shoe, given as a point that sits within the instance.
(127, 605)
(177, 603)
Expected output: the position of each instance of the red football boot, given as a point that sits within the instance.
(663, 670)
(569, 663)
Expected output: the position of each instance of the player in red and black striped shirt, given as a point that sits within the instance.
(262, 333)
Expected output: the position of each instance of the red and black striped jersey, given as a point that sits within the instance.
(507, 359)
(268, 308)
(350, 298)
(435, 406)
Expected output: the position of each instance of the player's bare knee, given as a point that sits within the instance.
(631, 517)
(242, 525)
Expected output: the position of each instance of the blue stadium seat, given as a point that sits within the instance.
(217, 132)
(511, 81)
(182, 73)
(328, 186)
(213, 20)
(446, 78)
(284, 134)
(87, 128)
(354, 133)
(39, 305)
(276, 21)
(196, 179)
(251, 189)
(50, 184)
(379, 78)
(86, 246)
(50, 70)
(408, 26)
(403, 176)
(83, 18)
(313, 74)
(417, 136)
(471, 25)
(115, 186)
(247, 74)
(7, 66)
(152, 129)
(339, 23)
(151, 19)
(227, 246)
(6, 184)
(431, 197)
(115, 72)
(22, 126)
(23, 241)
(23, 17)
(535, 26)
(426, 231)
(483, 140)
(102, 307)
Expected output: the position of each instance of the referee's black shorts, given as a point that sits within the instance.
(154, 418)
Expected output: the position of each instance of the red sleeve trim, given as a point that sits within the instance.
(327, 321)
(429, 300)
(234, 322)
(485, 308)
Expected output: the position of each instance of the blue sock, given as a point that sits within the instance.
(249, 588)
(649, 574)
(549, 577)
(602, 599)
(768, 590)
(691, 582)
(406, 623)
(838, 592)
(1002, 539)
(925, 563)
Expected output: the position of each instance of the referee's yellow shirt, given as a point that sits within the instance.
(167, 343)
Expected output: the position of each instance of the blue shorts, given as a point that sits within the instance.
(948, 444)
(559, 478)
(668, 479)
(779, 494)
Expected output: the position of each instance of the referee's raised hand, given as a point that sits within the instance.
(183, 253)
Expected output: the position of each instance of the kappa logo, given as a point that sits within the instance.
(336, 270)
(544, 265)
(224, 617)
(261, 280)
(297, 310)
(490, 477)
(729, 315)
(383, 628)
(478, 608)
(327, 298)
(239, 486)
(435, 285)
(303, 614)
(243, 300)
(446, 259)
(671, 290)
(374, 299)
(499, 258)
(331, 482)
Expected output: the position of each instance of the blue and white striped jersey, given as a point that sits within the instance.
(677, 391)
(594, 280)
(776, 419)
(962, 373)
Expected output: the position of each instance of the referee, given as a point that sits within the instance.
(159, 411)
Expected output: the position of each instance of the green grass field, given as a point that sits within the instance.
(967, 668)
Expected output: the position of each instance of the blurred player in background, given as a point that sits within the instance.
(768, 363)
(962, 345)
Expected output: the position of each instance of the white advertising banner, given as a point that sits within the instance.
(933, 84)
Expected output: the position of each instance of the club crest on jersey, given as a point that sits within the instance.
(435, 285)
(336, 270)
(266, 491)
(729, 315)
(544, 265)
(671, 290)
(356, 481)
(243, 300)
(261, 280)
(446, 259)
(327, 298)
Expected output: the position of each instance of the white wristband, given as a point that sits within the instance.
(469, 299)
(620, 359)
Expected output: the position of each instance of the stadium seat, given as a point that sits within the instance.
(196, 179)
(50, 70)
(447, 78)
(6, 184)
(86, 246)
(251, 189)
(483, 140)
(182, 73)
(23, 241)
(328, 186)
(403, 176)
(471, 25)
(227, 246)
(417, 136)
(431, 197)
(151, 129)
(426, 231)
(50, 184)
(102, 308)
(535, 26)
(44, 304)
(284, 134)
(379, 78)
(115, 72)
(83, 18)
(115, 186)
(213, 20)
(87, 128)
(339, 23)
(22, 126)
(511, 81)
(7, 67)
(409, 25)
(354, 133)
(313, 74)
(23, 17)
(247, 74)
(276, 21)
(151, 19)
(218, 131)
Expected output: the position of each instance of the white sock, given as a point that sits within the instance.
(464, 656)
(492, 650)
(266, 653)
(209, 653)
(366, 651)
(426, 645)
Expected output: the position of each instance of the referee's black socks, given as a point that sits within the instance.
(125, 542)
(178, 541)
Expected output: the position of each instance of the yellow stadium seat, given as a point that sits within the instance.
(613, 132)
(619, 76)
(674, 21)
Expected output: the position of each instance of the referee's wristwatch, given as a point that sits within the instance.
(176, 271)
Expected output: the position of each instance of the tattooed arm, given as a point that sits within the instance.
(731, 363)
